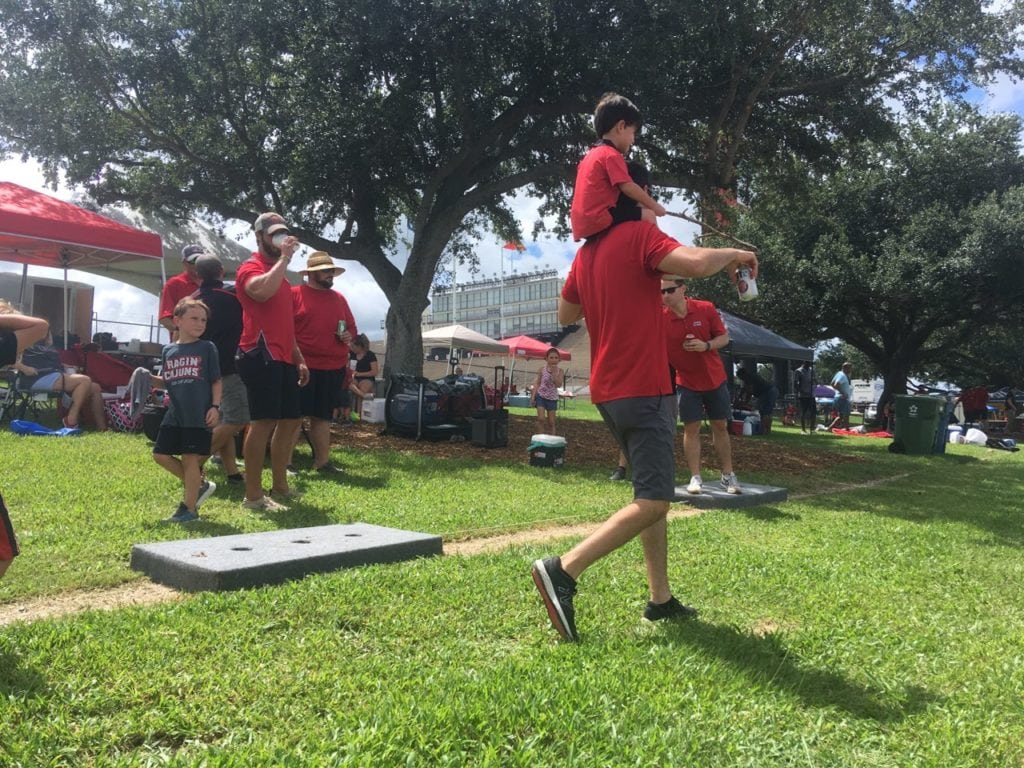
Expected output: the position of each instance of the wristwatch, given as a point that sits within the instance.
(707, 346)
(215, 405)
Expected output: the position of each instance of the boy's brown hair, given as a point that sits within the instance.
(188, 303)
(610, 109)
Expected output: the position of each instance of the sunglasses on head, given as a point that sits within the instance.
(667, 291)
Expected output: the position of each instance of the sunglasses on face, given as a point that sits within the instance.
(667, 291)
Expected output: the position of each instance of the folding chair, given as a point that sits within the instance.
(18, 401)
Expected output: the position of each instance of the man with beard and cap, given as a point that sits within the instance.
(324, 326)
(270, 362)
(224, 329)
(180, 286)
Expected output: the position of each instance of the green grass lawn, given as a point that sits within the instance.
(861, 623)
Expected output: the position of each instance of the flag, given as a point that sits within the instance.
(514, 247)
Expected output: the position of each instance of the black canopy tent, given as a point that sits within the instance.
(750, 341)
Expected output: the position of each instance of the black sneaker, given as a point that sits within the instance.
(618, 474)
(557, 587)
(237, 479)
(205, 491)
(183, 515)
(670, 609)
(328, 469)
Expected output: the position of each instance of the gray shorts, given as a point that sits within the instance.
(693, 403)
(234, 402)
(645, 430)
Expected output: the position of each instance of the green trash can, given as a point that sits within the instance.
(917, 418)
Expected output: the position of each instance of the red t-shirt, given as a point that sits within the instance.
(317, 312)
(615, 279)
(175, 289)
(598, 177)
(698, 371)
(273, 318)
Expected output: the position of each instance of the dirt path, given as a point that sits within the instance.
(148, 593)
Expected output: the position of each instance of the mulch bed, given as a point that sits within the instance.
(589, 444)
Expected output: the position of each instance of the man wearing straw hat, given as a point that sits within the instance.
(324, 326)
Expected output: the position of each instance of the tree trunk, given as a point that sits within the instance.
(404, 340)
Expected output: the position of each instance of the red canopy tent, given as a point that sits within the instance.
(41, 230)
(529, 348)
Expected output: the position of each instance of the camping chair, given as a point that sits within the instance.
(18, 401)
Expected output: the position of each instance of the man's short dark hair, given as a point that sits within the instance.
(610, 109)
(208, 267)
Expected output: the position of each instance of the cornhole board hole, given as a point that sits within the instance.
(714, 496)
(256, 559)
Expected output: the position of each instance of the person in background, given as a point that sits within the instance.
(18, 332)
(804, 383)
(324, 326)
(82, 395)
(224, 329)
(181, 285)
(843, 402)
(614, 280)
(270, 362)
(544, 395)
(190, 372)
(766, 394)
(695, 332)
(364, 372)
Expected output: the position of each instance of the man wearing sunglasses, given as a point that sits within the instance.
(614, 281)
(695, 334)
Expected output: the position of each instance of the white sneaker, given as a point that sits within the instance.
(730, 483)
(695, 484)
(265, 503)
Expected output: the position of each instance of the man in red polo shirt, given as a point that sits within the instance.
(270, 363)
(695, 333)
(614, 281)
(181, 285)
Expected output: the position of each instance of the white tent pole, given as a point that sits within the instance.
(65, 305)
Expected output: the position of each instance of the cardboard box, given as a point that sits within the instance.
(373, 411)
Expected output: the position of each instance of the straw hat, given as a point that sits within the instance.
(319, 261)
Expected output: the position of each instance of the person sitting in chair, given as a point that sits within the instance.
(41, 363)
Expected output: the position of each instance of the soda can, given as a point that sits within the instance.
(746, 285)
(342, 325)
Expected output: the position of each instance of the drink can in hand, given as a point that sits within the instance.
(746, 284)
(342, 325)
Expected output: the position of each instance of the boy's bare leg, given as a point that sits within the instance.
(192, 478)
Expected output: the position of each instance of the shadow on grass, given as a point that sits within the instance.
(767, 513)
(17, 680)
(767, 661)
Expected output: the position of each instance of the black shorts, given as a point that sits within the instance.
(322, 394)
(8, 544)
(645, 429)
(8, 347)
(273, 388)
(179, 441)
(693, 403)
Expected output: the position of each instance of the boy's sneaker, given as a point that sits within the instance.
(556, 588)
(205, 491)
(695, 484)
(730, 483)
(183, 515)
(292, 470)
(618, 474)
(264, 503)
(236, 478)
(328, 469)
(670, 609)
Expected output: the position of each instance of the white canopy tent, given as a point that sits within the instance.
(460, 337)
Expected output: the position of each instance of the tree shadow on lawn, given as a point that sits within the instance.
(765, 660)
(964, 490)
(767, 513)
(17, 680)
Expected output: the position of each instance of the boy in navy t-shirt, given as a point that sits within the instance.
(190, 373)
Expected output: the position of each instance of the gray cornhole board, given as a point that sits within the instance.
(713, 496)
(256, 559)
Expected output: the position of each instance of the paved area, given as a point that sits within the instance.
(256, 559)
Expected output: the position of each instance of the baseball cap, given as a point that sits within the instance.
(270, 223)
(192, 252)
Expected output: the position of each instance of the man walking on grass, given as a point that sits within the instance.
(615, 282)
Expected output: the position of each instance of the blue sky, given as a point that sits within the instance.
(116, 301)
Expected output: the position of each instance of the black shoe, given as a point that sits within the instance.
(670, 609)
(236, 478)
(618, 474)
(557, 587)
